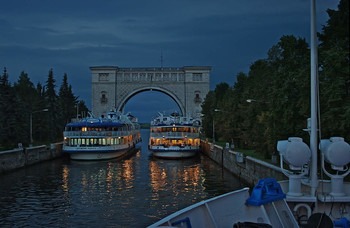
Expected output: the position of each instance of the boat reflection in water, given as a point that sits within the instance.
(133, 191)
(184, 182)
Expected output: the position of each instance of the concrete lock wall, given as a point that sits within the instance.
(249, 169)
(21, 157)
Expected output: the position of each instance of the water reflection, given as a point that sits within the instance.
(174, 173)
(134, 191)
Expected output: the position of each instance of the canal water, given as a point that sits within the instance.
(135, 191)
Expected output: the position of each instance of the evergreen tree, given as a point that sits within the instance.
(27, 100)
(51, 101)
(11, 128)
(67, 102)
(41, 130)
(82, 108)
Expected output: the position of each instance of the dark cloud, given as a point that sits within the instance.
(70, 36)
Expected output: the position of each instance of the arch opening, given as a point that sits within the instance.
(145, 103)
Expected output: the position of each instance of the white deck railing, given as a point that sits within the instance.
(98, 133)
(174, 135)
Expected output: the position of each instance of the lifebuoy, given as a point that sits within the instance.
(109, 133)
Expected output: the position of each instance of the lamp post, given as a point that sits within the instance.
(215, 110)
(31, 124)
(274, 125)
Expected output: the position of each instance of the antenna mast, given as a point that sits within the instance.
(314, 100)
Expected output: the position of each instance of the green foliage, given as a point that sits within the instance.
(67, 102)
(280, 88)
(335, 75)
(10, 113)
(23, 99)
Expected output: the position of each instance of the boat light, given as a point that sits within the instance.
(297, 154)
(336, 151)
(294, 152)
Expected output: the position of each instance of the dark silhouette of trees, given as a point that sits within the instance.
(19, 101)
(280, 88)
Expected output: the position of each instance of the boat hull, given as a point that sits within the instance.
(174, 154)
(96, 153)
(171, 153)
(229, 209)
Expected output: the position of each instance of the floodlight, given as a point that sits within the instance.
(294, 152)
(337, 152)
(297, 154)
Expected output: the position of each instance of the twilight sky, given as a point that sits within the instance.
(70, 36)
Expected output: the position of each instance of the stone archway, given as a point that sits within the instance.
(113, 86)
(162, 90)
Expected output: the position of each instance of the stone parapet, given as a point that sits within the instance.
(21, 157)
(249, 169)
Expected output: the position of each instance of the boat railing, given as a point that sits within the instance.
(174, 134)
(99, 133)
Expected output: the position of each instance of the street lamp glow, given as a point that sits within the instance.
(250, 100)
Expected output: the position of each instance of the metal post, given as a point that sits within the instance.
(314, 99)
(213, 131)
(31, 124)
(31, 129)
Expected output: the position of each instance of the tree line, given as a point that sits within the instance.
(278, 92)
(50, 110)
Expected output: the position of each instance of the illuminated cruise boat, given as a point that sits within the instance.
(101, 138)
(174, 136)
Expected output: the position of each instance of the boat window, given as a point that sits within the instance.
(99, 142)
(108, 141)
(83, 141)
(87, 142)
(104, 141)
(197, 142)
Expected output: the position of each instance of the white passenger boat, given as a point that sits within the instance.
(174, 136)
(101, 138)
